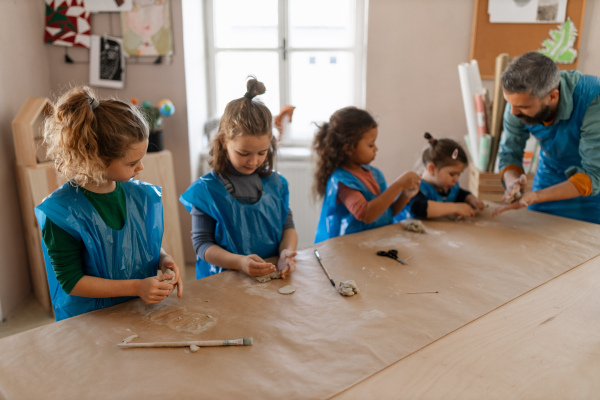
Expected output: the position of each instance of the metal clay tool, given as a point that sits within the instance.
(324, 269)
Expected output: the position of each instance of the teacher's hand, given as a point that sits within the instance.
(527, 199)
(514, 190)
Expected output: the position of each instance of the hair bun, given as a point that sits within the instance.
(254, 88)
(432, 141)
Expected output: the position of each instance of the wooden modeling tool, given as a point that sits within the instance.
(200, 343)
(324, 269)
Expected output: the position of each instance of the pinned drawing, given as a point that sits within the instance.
(560, 47)
(107, 62)
(147, 28)
(67, 23)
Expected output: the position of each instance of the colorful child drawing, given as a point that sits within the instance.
(147, 28)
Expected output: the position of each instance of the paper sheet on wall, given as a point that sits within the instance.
(107, 62)
(527, 11)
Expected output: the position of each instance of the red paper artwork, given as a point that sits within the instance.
(67, 23)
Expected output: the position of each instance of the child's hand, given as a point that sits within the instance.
(253, 265)
(409, 180)
(170, 267)
(464, 210)
(474, 202)
(153, 291)
(286, 263)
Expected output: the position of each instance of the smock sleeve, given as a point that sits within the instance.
(589, 146)
(512, 145)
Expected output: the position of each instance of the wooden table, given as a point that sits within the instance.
(515, 316)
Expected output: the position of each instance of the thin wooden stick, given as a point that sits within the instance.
(200, 343)
(422, 292)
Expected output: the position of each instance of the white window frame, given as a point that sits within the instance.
(359, 50)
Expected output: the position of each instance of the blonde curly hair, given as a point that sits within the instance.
(84, 134)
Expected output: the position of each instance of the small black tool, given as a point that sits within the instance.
(393, 253)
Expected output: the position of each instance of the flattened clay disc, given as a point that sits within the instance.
(289, 289)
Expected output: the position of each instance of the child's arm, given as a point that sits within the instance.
(377, 206)
(287, 252)
(439, 209)
(151, 290)
(252, 264)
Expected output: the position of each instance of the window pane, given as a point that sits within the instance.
(232, 69)
(319, 23)
(321, 83)
(245, 24)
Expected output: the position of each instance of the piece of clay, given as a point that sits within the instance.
(267, 278)
(169, 272)
(289, 289)
(347, 288)
(415, 226)
(194, 348)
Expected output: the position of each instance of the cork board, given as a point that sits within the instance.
(490, 39)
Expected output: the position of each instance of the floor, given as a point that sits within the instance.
(31, 315)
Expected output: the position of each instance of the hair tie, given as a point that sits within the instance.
(248, 95)
(455, 154)
(95, 104)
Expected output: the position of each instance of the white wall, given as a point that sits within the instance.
(414, 50)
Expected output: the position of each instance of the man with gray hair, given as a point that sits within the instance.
(561, 109)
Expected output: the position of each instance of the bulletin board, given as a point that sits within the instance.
(490, 39)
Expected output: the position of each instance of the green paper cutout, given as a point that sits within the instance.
(560, 47)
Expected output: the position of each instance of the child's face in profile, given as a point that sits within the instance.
(247, 153)
(125, 168)
(365, 150)
(446, 177)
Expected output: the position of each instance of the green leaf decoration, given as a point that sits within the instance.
(560, 47)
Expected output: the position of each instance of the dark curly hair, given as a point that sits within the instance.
(335, 140)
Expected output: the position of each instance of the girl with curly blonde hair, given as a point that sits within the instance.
(102, 230)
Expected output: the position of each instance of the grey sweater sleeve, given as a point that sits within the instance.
(203, 231)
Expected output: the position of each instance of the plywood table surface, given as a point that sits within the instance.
(313, 343)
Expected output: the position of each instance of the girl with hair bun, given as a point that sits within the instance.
(240, 210)
(439, 193)
(355, 194)
(102, 230)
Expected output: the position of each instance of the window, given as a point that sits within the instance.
(309, 53)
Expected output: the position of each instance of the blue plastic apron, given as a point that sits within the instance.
(129, 253)
(560, 150)
(240, 228)
(336, 219)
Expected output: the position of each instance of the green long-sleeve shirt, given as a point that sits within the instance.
(66, 252)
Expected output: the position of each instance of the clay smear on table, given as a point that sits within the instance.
(179, 319)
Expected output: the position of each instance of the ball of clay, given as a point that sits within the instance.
(348, 288)
(415, 226)
(289, 289)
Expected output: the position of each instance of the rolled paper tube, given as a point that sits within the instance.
(464, 73)
(485, 145)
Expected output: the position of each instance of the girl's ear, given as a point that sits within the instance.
(431, 169)
(346, 149)
(223, 143)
